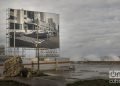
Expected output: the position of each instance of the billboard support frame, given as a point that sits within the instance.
(14, 41)
(38, 50)
(49, 27)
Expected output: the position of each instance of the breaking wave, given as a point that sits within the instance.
(97, 58)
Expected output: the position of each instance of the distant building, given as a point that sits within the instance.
(52, 27)
(52, 24)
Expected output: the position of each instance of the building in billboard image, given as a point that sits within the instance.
(30, 26)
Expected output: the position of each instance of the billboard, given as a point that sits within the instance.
(32, 28)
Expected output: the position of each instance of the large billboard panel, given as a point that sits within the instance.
(29, 28)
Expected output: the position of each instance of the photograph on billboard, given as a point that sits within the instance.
(33, 29)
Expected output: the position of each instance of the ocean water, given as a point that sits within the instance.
(86, 71)
(90, 71)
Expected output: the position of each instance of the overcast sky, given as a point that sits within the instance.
(87, 27)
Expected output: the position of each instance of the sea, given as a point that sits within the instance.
(89, 71)
(86, 71)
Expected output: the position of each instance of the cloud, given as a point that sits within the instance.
(91, 57)
(87, 27)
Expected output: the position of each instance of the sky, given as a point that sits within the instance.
(88, 28)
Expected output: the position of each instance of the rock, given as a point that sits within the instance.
(13, 66)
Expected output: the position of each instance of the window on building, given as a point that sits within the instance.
(30, 14)
(41, 16)
(11, 10)
(31, 26)
(25, 12)
(11, 17)
(17, 26)
(11, 26)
